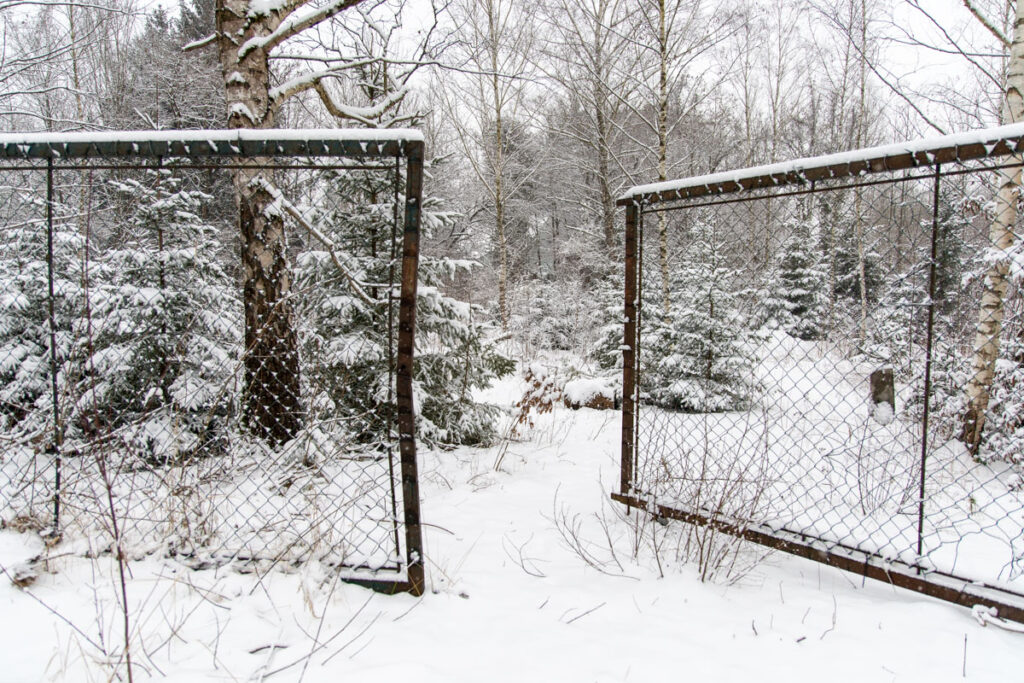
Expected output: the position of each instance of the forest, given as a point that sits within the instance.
(537, 116)
(198, 356)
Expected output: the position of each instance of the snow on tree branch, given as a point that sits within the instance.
(365, 115)
(294, 25)
(987, 23)
(332, 249)
(199, 44)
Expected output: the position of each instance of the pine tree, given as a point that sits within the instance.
(951, 250)
(347, 319)
(454, 358)
(698, 357)
(608, 350)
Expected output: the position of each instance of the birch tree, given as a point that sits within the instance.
(586, 57)
(485, 105)
(672, 36)
(1001, 242)
(60, 58)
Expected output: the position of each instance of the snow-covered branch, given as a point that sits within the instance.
(986, 23)
(366, 115)
(294, 25)
(201, 43)
(332, 249)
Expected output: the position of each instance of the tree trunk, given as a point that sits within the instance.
(499, 172)
(990, 314)
(272, 407)
(604, 180)
(862, 275)
(663, 154)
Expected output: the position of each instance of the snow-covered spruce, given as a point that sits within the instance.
(697, 354)
(346, 322)
(797, 295)
(164, 326)
(25, 363)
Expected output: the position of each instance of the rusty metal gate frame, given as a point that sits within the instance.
(228, 149)
(1003, 146)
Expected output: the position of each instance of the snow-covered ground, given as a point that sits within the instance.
(508, 599)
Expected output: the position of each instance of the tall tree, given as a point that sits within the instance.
(1001, 242)
(585, 55)
(496, 53)
(248, 32)
(674, 35)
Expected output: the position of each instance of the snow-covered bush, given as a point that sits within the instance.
(554, 315)
(1004, 439)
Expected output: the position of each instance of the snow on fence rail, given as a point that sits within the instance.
(158, 395)
(807, 346)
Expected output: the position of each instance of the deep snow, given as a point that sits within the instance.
(507, 601)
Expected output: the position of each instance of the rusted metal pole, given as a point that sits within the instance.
(629, 351)
(391, 419)
(404, 373)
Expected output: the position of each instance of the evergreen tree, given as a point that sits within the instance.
(799, 285)
(25, 333)
(347, 318)
(951, 250)
(349, 315)
(162, 335)
(698, 357)
(609, 298)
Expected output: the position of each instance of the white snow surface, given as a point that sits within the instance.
(220, 135)
(507, 599)
(986, 136)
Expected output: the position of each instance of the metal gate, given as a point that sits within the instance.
(801, 350)
(160, 394)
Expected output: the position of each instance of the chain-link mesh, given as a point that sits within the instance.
(158, 392)
(804, 363)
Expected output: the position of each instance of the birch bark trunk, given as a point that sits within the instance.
(1001, 240)
(663, 152)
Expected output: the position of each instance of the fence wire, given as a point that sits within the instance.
(803, 364)
(136, 388)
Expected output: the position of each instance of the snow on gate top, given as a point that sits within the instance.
(977, 144)
(211, 143)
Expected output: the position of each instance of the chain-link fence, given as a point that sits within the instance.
(818, 346)
(206, 346)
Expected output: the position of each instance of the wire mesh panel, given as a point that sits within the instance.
(807, 358)
(160, 394)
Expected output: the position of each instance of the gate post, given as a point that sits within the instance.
(404, 373)
(629, 350)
